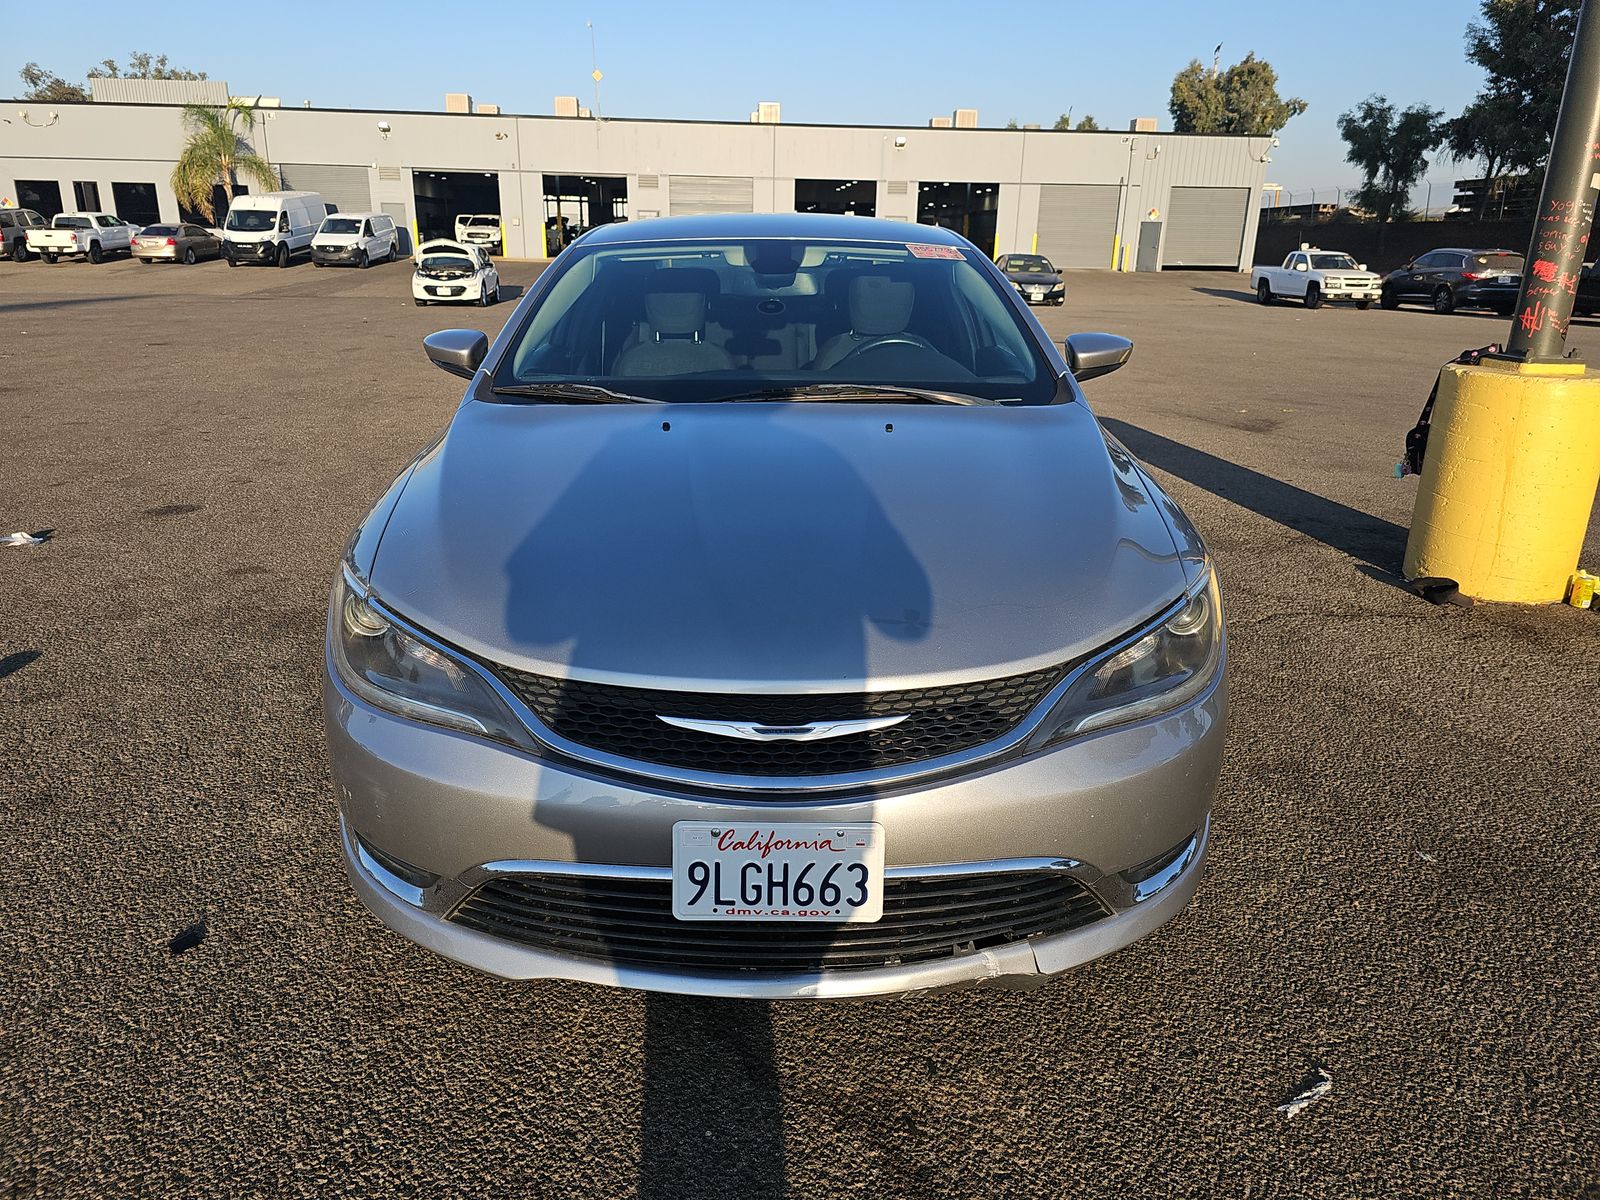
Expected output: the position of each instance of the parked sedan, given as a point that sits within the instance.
(454, 273)
(774, 619)
(1035, 279)
(1454, 278)
(176, 243)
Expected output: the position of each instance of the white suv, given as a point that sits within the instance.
(480, 229)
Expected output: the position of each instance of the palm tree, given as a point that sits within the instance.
(217, 152)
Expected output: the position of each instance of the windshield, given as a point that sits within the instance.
(72, 222)
(251, 220)
(341, 225)
(1031, 263)
(483, 220)
(713, 320)
(447, 262)
(1333, 262)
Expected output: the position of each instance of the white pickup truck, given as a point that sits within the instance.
(90, 234)
(1315, 276)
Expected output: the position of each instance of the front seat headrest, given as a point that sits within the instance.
(676, 313)
(880, 306)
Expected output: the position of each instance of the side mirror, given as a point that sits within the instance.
(1091, 355)
(1361, 266)
(459, 351)
(1301, 266)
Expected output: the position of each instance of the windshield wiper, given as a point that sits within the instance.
(857, 391)
(591, 393)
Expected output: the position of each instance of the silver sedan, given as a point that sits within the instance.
(176, 243)
(774, 619)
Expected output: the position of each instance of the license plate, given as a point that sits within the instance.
(1508, 279)
(781, 872)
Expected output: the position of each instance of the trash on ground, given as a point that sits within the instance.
(1313, 1088)
(1582, 588)
(1426, 857)
(20, 539)
(188, 939)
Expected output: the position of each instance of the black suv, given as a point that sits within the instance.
(1454, 278)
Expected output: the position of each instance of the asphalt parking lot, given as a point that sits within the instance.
(1402, 888)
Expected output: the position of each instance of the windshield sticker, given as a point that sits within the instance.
(918, 250)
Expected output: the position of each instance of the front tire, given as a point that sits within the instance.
(96, 255)
(283, 255)
(361, 260)
(1263, 292)
(421, 303)
(1313, 297)
(1444, 301)
(1387, 299)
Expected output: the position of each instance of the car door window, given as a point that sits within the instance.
(366, 229)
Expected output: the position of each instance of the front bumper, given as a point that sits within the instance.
(334, 256)
(468, 810)
(447, 292)
(250, 252)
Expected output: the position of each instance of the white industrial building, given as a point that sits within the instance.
(1141, 199)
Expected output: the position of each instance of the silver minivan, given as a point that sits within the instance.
(355, 239)
(774, 619)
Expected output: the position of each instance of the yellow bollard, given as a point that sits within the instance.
(1508, 480)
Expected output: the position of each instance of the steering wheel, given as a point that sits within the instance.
(888, 339)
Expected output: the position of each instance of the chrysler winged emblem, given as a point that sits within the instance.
(754, 731)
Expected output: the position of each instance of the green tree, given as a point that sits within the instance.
(1490, 130)
(1012, 124)
(142, 66)
(1088, 123)
(217, 152)
(1524, 45)
(1064, 121)
(1390, 149)
(48, 87)
(1242, 99)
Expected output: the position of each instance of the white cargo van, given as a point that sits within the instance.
(271, 227)
(355, 240)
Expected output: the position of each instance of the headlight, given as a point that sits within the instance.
(390, 668)
(1160, 667)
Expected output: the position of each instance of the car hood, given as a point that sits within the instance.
(1032, 277)
(777, 547)
(335, 241)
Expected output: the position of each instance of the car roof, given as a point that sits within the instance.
(711, 226)
(1469, 250)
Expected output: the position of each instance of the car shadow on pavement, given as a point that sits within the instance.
(1374, 541)
(511, 291)
(1229, 294)
(46, 305)
(712, 1115)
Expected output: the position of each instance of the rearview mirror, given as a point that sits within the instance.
(459, 351)
(1091, 355)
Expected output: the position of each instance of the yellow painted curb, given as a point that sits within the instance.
(1509, 478)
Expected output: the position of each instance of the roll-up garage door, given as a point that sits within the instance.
(347, 189)
(1205, 226)
(1077, 222)
(711, 194)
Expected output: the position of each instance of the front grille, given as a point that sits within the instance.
(629, 922)
(625, 721)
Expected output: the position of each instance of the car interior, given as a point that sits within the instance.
(853, 316)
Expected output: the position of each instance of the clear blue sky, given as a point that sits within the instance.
(871, 62)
